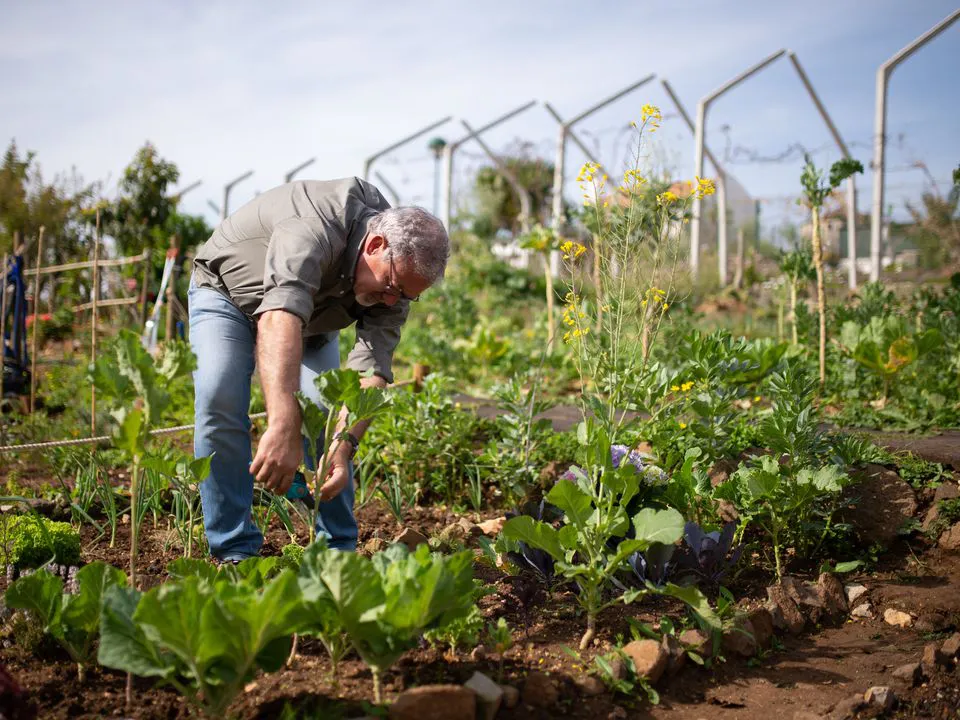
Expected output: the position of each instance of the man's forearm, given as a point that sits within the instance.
(279, 353)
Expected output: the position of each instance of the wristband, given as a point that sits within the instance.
(353, 441)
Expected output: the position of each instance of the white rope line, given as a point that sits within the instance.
(100, 438)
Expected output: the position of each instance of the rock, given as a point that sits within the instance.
(862, 611)
(590, 685)
(946, 491)
(932, 621)
(846, 708)
(931, 517)
(806, 597)
(539, 690)
(911, 673)
(492, 527)
(676, 657)
(697, 641)
(618, 668)
(786, 614)
(951, 647)
(649, 659)
(435, 702)
(740, 639)
(831, 594)
(897, 618)
(489, 695)
(411, 538)
(880, 697)
(374, 545)
(930, 659)
(511, 696)
(470, 529)
(854, 593)
(950, 540)
(618, 713)
(880, 503)
(478, 653)
(762, 621)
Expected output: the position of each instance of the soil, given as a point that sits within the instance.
(803, 677)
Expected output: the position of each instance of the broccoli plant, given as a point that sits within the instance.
(137, 388)
(72, 620)
(337, 388)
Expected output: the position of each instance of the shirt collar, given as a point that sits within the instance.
(351, 255)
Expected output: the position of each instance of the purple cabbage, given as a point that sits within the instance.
(708, 556)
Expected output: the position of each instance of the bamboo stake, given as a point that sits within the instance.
(3, 326)
(95, 295)
(172, 288)
(821, 294)
(143, 288)
(36, 324)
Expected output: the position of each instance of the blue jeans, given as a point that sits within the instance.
(223, 339)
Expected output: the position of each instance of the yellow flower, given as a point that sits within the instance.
(704, 187)
(666, 198)
(675, 388)
(687, 386)
(572, 250)
(683, 426)
(666, 306)
(756, 398)
(650, 115)
(632, 181)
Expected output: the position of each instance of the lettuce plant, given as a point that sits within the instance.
(32, 540)
(72, 620)
(205, 638)
(385, 603)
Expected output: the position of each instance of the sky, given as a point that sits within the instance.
(224, 87)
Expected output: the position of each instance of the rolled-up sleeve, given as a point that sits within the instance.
(378, 333)
(298, 253)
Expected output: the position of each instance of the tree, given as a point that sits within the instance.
(137, 219)
(498, 207)
(936, 227)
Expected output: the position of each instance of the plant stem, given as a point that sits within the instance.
(377, 692)
(322, 470)
(793, 311)
(134, 524)
(548, 276)
(591, 631)
(821, 294)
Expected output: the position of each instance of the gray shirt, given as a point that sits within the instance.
(295, 248)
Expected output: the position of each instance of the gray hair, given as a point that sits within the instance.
(415, 237)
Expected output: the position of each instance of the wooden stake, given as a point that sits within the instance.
(36, 324)
(95, 296)
(172, 288)
(143, 288)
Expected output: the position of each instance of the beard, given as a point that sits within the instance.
(366, 299)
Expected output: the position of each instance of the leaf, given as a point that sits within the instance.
(575, 503)
(848, 566)
(130, 433)
(170, 617)
(663, 526)
(536, 534)
(314, 420)
(123, 645)
(40, 593)
(697, 602)
(81, 612)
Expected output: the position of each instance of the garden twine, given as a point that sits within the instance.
(100, 438)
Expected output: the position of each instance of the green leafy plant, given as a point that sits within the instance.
(138, 390)
(72, 620)
(499, 638)
(384, 604)
(32, 540)
(797, 267)
(205, 637)
(338, 388)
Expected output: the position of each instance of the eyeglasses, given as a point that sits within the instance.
(393, 289)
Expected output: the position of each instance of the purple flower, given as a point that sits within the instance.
(651, 473)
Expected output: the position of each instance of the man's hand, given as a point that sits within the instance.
(279, 454)
(338, 474)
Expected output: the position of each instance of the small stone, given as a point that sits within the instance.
(862, 611)
(897, 618)
(762, 622)
(950, 540)
(854, 593)
(511, 696)
(677, 657)
(946, 491)
(435, 702)
(830, 592)
(470, 529)
(932, 622)
(492, 527)
(786, 614)
(618, 668)
(591, 685)
(411, 538)
(374, 545)
(618, 713)
(951, 647)
(478, 653)
(740, 639)
(930, 659)
(880, 697)
(649, 659)
(489, 695)
(911, 673)
(539, 690)
(697, 641)
(846, 708)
